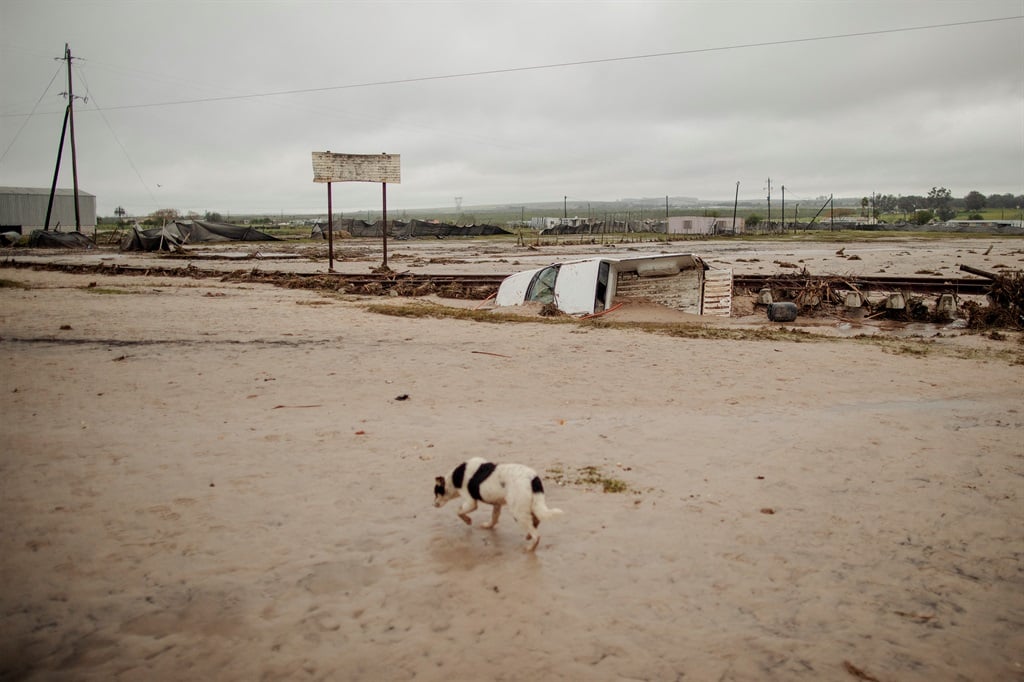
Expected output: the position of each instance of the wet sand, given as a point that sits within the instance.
(205, 480)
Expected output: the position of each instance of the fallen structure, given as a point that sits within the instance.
(680, 281)
(175, 235)
(400, 229)
(51, 239)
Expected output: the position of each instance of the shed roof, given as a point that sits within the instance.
(45, 191)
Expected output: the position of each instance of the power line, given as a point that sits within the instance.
(561, 65)
(116, 138)
(29, 117)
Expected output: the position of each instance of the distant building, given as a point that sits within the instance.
(985, 226)
(994, 223)
(685, 224)
(23, 209)
(542, 224)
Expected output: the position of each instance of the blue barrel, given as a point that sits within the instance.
(782, 312)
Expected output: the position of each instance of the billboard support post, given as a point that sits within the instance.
(330, 231)
(384, 222)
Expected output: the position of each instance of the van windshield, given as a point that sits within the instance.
(542, 288)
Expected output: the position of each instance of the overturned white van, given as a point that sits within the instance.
(681, 281)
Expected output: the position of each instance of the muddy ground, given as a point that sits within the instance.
(221, 480)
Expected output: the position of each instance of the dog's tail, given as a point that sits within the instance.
(541, 510)
(539, 507)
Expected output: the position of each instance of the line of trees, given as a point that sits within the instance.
(939, 203)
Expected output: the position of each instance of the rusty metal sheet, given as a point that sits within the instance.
(329, 167)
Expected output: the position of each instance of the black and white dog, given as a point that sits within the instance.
(514, 485)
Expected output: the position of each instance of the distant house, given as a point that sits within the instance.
(23, 209)
(542, 224)
(685, 224)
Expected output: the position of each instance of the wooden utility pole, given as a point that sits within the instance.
(56, 171)
(735, 204)
(783, 208)
(69, 123)
(74, 154)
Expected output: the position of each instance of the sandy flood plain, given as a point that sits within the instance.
(202, 480)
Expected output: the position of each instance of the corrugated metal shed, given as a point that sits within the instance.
(24, 208)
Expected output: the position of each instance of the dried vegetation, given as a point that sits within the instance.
(1005, 307)
(588, 477)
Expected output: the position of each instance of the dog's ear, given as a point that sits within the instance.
(439, 480)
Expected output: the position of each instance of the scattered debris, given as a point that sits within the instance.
(484, 352)
(839, 296)
(920, 618)
(588, 476)
(550, 310)
(782, 312)
(858, 673)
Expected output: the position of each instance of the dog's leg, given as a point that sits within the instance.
(495, 513)
(464, 511)
(525, 518)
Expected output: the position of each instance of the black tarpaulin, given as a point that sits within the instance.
(181, 232)
(60, 240)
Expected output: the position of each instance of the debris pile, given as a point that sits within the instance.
(1005, 304)
(839, 296)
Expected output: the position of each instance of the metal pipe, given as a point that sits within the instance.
(330, 231)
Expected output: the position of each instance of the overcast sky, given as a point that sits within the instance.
(217, 106)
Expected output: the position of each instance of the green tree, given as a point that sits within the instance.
(940, 201)
(909, 204)
(886, 203)
(213, 217)
(923, 217)
(974, 201)
(1001, 201)
(162, 216)
(753, 220)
